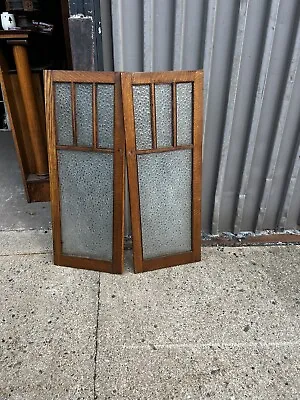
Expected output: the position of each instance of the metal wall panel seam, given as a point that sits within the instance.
(279, 134)
(148, 34)
(180, 11)
(208, 56)
(230, 114)
(105, 24)
(117, 30)
(284, 214)
(257, 113)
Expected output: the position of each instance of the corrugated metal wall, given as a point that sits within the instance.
(250, 51)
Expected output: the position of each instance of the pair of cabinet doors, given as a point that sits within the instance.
(97, 122)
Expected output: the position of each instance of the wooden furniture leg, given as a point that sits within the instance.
(36, 130)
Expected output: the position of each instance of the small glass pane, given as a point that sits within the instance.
(63, 114)
(86, 202)
(142, 116)
(105, 110)
(184, 113)
(163, 105)
(165, 185)
(84, 114)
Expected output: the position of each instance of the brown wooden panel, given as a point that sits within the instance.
(132, 171)
(38, 188)
(165, 149)
(81, 148)
(164, 77)
(116, 266)
(128, 80)
(197, 162)
(83, 76)
(169, 261)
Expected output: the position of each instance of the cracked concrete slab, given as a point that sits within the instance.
(195, 372)
(236, 298)
(48, 329)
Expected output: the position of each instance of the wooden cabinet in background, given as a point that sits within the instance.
(23, 94)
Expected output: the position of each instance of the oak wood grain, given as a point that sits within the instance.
(116, 265)
(132, 171)
(36, 129)
(128, 80)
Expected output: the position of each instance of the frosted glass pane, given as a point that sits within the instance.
(142, 116)
(86, 201)
(105, 110)
(63, 114)
(184, 113)
(165, 184)
(163, 105)
(84, 114)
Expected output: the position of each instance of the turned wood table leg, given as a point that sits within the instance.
(36, 130)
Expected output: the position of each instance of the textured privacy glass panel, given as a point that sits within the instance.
(184, 113)
(84, 114)
(63, 114)
(163, 111)
(165, 184)
(142, 116)
(105, 111)
(86, 203)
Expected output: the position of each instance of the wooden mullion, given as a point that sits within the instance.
(165, 149)
(95, 118)
(82, 148)
(119, 180)
(132, 171)
(153, 116)
(174, 113)
(73, 106)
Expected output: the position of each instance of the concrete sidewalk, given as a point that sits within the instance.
(225, 328)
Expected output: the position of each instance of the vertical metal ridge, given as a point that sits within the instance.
(279, 134)
(180, 10)
(292, 179)
(257, 113)
(154, 35)
(203, 32)
(230, 113)
(148, 10)
(117, 30)
(208, 55)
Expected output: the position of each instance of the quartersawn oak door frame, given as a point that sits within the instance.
(128, 80)
(72, 77)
